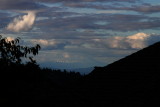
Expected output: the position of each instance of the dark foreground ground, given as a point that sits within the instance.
(130, 82)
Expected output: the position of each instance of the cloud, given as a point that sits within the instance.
(22, 23)
(89, 0)
(116, 5)
(115, 22)
(52, 44)
(132, 25)
(43, 42)
(136, 41)
(144, 8)
(37, 4)
(20, 4)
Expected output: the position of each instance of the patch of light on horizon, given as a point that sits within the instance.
(101, 23)
(41, 18)
(109, 11)
(81, 10)
(50, 4)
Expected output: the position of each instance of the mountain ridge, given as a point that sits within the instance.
(147, 52)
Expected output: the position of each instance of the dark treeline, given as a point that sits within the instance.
(26, 84)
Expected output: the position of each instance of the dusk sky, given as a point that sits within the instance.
(81, 33)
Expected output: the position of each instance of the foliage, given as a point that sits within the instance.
(29, 84)
(13, 52)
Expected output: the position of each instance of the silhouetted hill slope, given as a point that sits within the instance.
(131, 82)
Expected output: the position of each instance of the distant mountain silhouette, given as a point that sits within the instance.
(83, 71)
(130, 82)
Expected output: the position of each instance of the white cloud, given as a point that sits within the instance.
(44, 42)
(136, 41)
(52, 44)
(22, 23)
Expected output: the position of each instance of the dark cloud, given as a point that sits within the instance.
(20, 4)
(90, 5)
(3, 22)
(54, 14)
(37, 4)
(89, 0)
(132, 26)
(4, 14)
(116, 22)
(120, 17)
(145, 8)
(142, 8)
(4, 19)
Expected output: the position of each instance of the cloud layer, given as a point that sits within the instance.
(85, 32)
(136, 41)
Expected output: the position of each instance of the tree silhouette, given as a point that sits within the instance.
(13, 52)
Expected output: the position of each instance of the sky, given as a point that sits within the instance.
(81, 33)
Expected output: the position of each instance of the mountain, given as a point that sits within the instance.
(130, 82)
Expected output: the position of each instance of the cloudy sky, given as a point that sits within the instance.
(81, 33)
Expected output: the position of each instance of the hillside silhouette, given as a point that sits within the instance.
(130, 82)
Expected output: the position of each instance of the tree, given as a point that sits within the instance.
(13, 52)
